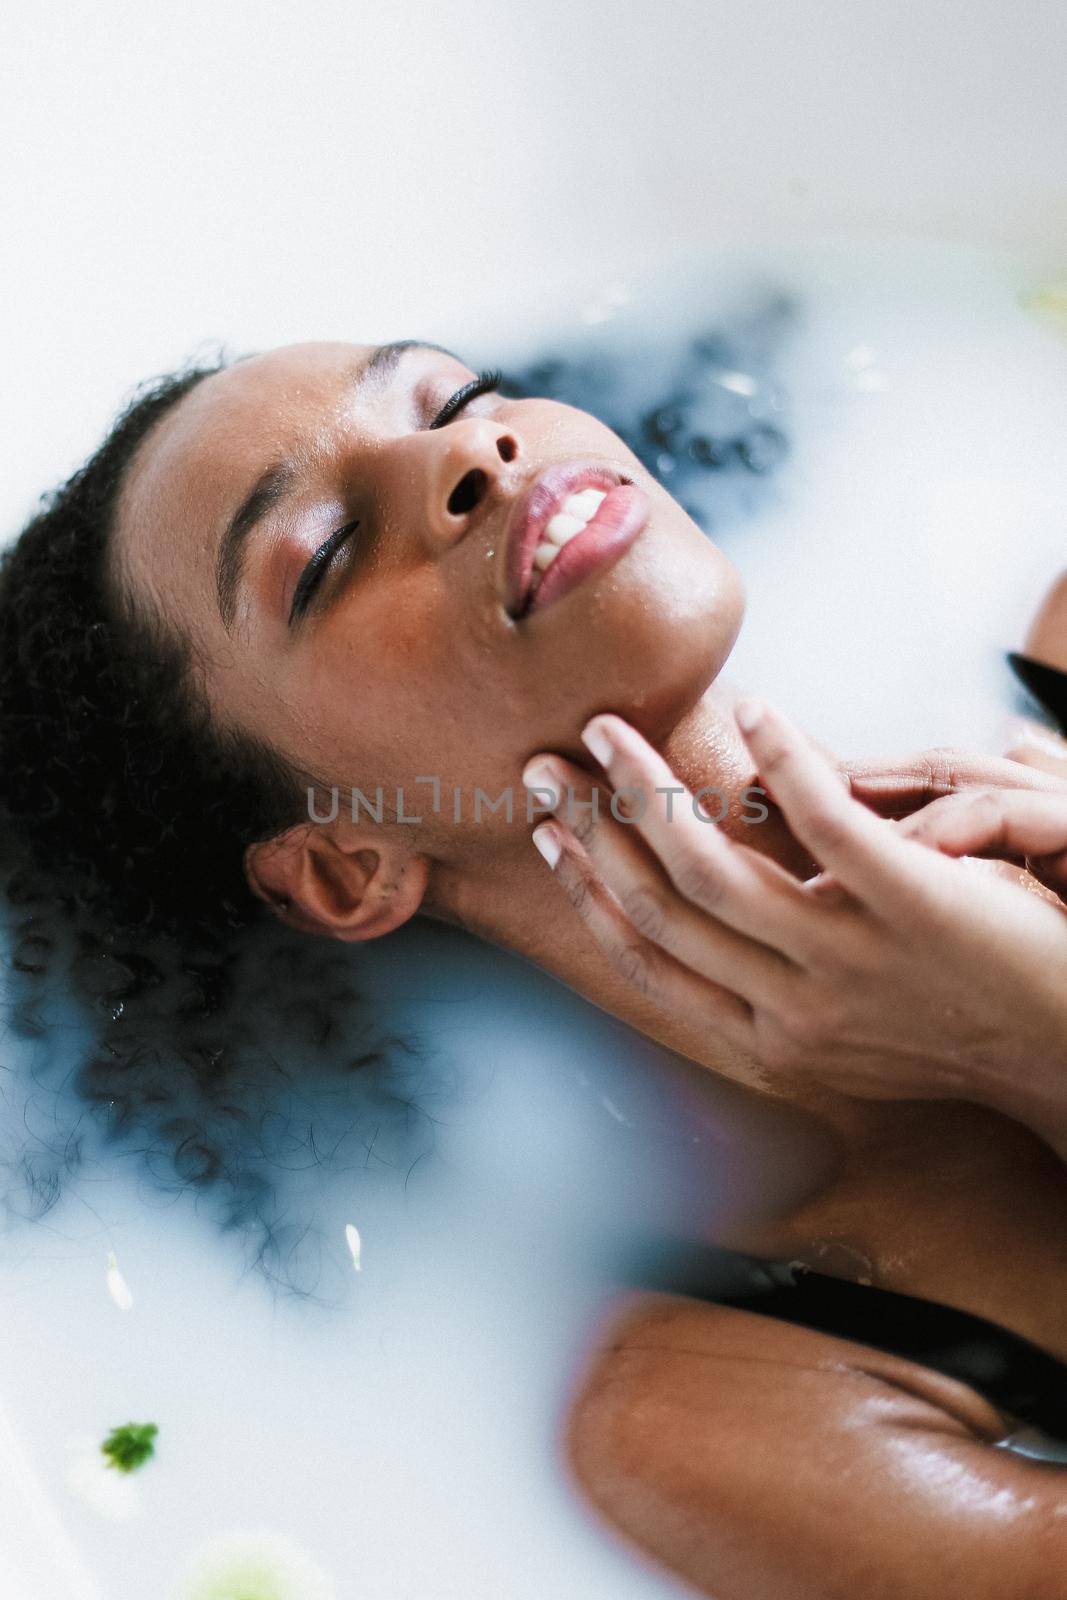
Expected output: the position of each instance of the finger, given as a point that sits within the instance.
(727, 881)
(582, 803)
(1010, 825)
(658, 912)
(1042, 751)
(861, 851)
(897, 788)
(650, 971)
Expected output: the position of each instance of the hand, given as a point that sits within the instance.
(897, 788)
(1008, 824)
(895, 973)
(976, 806)
(1041, 747)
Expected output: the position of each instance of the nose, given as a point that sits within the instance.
(466, 466)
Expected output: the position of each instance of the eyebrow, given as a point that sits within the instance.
(273, 485)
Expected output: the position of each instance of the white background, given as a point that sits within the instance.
(257, 172)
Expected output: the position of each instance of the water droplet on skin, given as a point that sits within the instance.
(838, 1260)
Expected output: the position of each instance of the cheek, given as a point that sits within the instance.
(562, 429)
(397, 691)
(419, 679)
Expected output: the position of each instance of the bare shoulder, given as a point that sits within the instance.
(760, 1460)
(1047, 638)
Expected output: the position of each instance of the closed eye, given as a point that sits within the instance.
(316, 570)
(318, 566)
(484, 383)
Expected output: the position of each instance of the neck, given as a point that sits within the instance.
(511, 899)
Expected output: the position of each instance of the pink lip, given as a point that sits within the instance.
(622, 515)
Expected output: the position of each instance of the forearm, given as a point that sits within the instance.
(1014, 1058)
(760, 1460)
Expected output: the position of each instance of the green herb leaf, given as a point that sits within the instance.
(130, 1446)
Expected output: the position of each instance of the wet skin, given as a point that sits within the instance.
(408, 664)
(1047, 639)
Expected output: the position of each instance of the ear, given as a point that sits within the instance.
(349, 887)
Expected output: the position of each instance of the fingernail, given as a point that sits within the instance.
(748, 714)
(597, 742)
(538, 774)
(546, 840)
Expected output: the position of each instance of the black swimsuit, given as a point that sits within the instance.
(1016, 1376)
(1046, 684)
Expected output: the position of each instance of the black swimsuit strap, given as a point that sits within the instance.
(1047, 686)
(1016, 1376)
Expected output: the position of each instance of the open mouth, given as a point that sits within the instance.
(575, 520)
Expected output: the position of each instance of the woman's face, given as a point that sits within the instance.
(411, 651)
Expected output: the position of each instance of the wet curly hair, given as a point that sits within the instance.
(113, 776)
(125, 809)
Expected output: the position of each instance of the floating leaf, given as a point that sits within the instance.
(130, 1446)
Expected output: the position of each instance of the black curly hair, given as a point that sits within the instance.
(124, 810)
(112, 773)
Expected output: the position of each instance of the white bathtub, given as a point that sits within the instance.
(400, 1425)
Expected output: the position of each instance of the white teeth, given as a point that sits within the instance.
(572, 516)
(562, 527)
(585, 504)
(576, 512)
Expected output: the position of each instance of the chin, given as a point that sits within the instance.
(679, 642)
(659, 630)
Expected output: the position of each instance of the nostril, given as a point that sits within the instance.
(468, 491)
(506, 447)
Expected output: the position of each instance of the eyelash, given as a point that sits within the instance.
(484, 383)
(315, 570)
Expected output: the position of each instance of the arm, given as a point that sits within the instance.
(761, 1461)
(896, 973)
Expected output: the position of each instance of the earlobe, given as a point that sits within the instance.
(343, 889)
